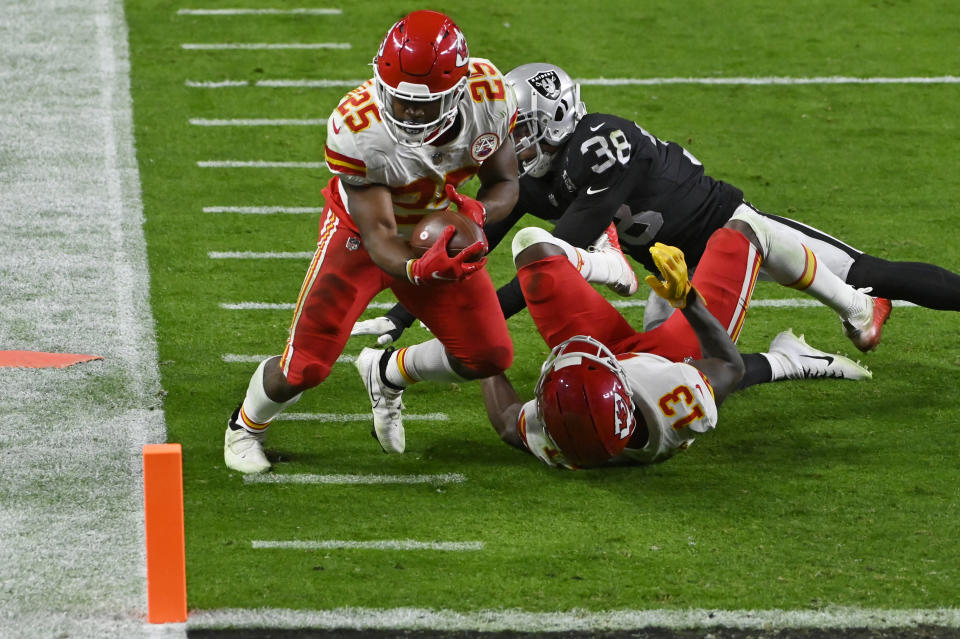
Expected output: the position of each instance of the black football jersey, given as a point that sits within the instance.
(655, 191)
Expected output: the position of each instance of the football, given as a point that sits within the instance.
(431, 226)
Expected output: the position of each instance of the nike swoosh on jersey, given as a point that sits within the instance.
(592, 191)
(595, 128)
(336, 129)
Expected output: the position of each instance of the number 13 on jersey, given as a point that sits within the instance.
(682, 403)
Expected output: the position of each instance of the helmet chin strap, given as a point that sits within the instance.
(540, 165)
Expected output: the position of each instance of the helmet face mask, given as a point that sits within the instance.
(549, 108)
(585, 402)
(420, 74)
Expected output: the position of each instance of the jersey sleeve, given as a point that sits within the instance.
(342, 151)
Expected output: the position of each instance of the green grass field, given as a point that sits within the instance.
(806, 497)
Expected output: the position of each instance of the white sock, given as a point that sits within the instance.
(258, 410)
(782, 367)
(598, 268)
(791, 263)
(421, 362)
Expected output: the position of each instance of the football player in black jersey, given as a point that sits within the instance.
(584, 171)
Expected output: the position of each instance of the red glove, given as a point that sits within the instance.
(435, 264)
(468, 206)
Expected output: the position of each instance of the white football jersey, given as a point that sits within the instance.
(675, 400)
(360, 151)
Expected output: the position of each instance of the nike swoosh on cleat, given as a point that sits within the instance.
(826, 358)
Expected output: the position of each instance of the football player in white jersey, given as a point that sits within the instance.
(399, 145)
(609, 394)
(594, 408)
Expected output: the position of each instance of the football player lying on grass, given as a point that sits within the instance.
(609, 393)
(585, 170)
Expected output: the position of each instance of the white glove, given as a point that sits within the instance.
(382, 326)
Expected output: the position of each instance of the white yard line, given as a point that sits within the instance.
(263, 210)
(237, 358)
(258, 12)
(264, 255)
(382, 544)
(332, 418)
(284, 306)
(260, 122)
(351, 480)
(261, 46)
(572, 620)
(258, 164)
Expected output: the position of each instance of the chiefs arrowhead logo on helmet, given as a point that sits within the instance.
(585, 402)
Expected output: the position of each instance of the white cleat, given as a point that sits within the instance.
(385, 401)
(625, 284)
(806, 362)
(867, 336)
(243, 450)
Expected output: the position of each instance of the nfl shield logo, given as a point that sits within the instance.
(353, 243)
(547, 84)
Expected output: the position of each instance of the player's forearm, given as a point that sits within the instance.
(499, 198)
(503, 406)
(713, 338)
(390, 254)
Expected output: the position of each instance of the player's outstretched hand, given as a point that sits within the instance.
(383, 327)
(675, 284)
(468, 206)
(435, 265)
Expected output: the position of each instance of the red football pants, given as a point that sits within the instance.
(563, 304)
(342, 279)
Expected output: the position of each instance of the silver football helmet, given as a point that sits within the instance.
(549, 107)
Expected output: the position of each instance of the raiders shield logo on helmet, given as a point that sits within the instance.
(547, 84)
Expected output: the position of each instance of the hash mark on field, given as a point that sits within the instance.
(258, 164)
(262, 46)
(258, 12)
(329, 418)
(234, 358)
(284, 306)
(260, 122)
(384, 544)
(263, 210)
(306, 478)
(254, 255)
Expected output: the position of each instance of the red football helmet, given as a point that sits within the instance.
(585, 402)
(423, 59)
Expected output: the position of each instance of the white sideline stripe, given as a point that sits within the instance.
(328, 418)
(383, 544)
(234, 358)
(284, 306)
(261, 46)
(254, 255)
(258, 12)
(263, 210)
(260, 122)
(258, 164)
(577, 619)
(305, 478)
(759, 81)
